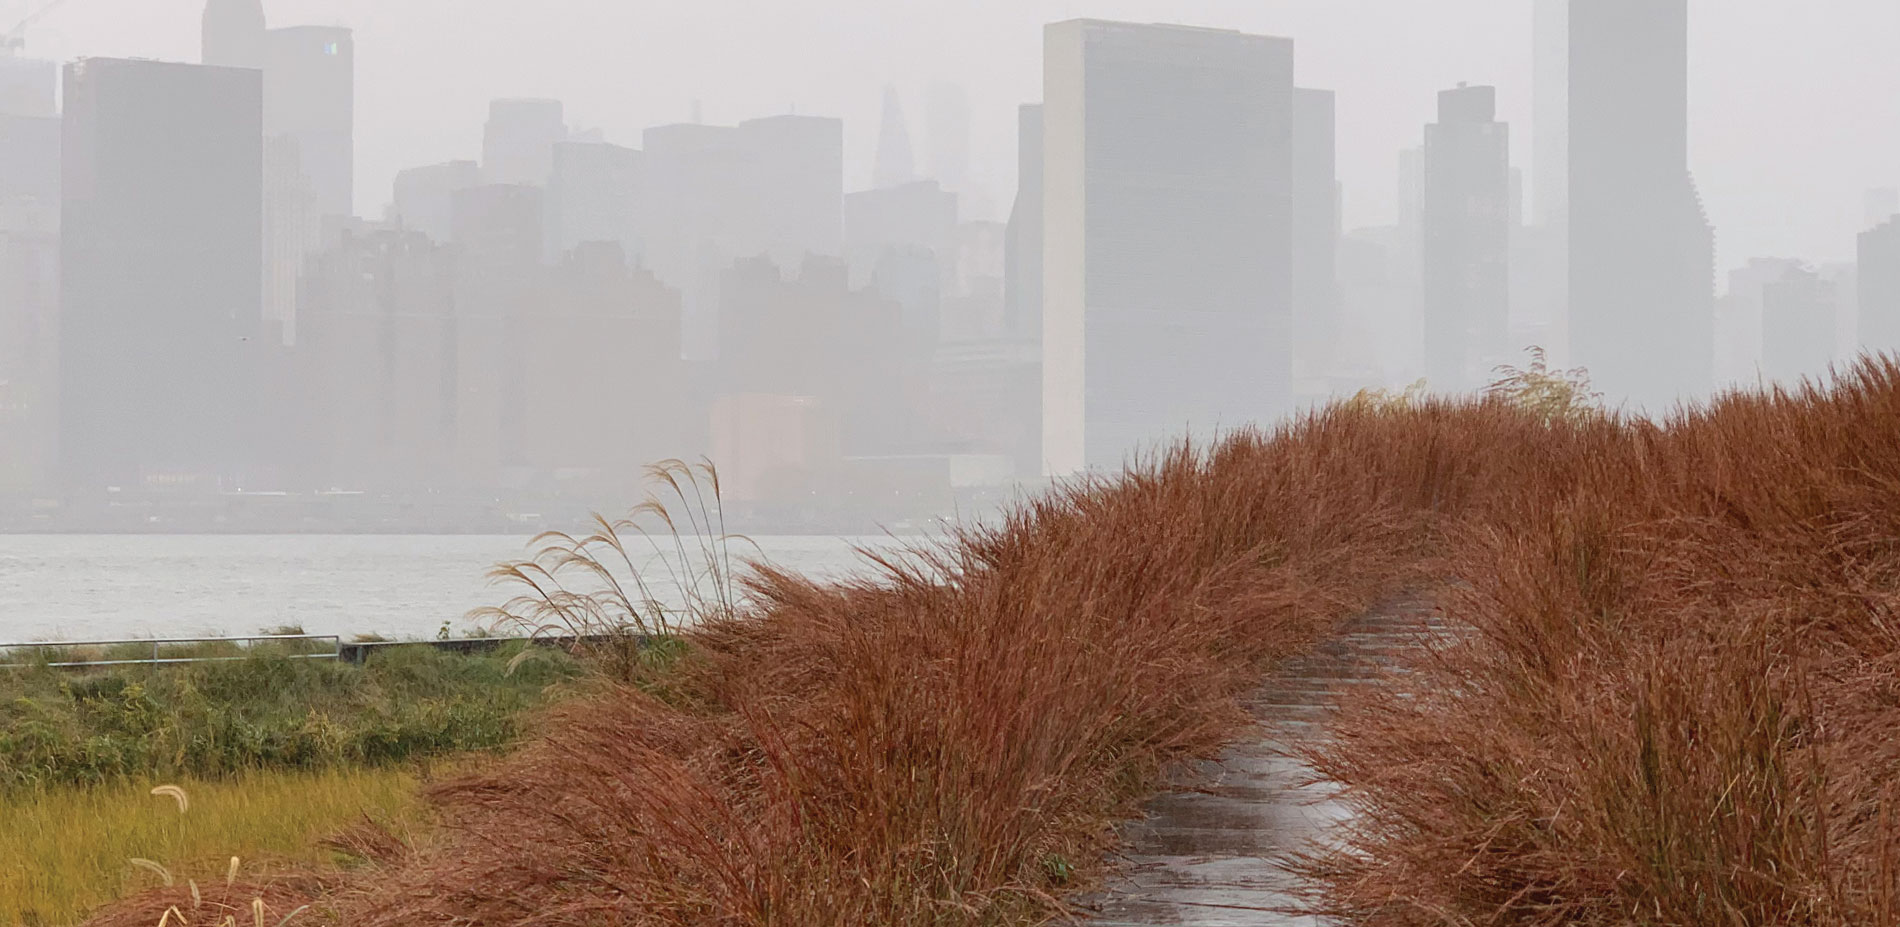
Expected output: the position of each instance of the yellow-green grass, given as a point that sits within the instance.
(65, 850)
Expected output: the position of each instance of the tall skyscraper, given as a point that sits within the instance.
(769, 187)
(233, 34)
(696, 200)
(1642, 253)
(162, 257)
(947, 116)
(1167, 279)
(1878, 290)
(1798, 319)
(1467, 240)
(310, 96)
(1022, 271)
(1315, 232)
(796, 178)
(1550, 112)
(28, 87)
(29, 271)
(594, 196)
(518, 142)
(896, 161)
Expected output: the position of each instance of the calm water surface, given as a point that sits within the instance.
(68, 587)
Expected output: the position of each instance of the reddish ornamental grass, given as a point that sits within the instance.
(1677, 700)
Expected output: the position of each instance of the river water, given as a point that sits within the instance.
(110, 587)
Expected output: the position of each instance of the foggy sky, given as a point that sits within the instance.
(1793, 103)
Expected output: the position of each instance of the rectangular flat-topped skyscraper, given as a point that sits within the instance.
(1167, 277)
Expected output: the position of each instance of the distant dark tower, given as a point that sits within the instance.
(234, 34)
(1642, 253)
(1467, 239)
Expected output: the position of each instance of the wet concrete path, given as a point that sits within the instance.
(1206, 855)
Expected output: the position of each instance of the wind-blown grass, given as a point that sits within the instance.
(1673, 703)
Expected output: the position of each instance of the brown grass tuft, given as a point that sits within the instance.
(1673, 702)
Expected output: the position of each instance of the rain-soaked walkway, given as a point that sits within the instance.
(1206, 855)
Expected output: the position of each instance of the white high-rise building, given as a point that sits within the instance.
(518, 141)
(1167, 278)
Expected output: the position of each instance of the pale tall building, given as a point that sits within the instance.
(1467, 228)
(1798, 322)
(768, 187)
(29, 272)
(1740, 322)
(162, 273)
(1168, 202)
(518, 141)
(1316, 233)
(1550, 112)
(1642, 252)
(796, 178)
(233, 34)
(1878, 290)
(310, 96)
(29, 87)
(594, 196)
(896, 159)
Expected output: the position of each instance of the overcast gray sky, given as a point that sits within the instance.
(1796, 102)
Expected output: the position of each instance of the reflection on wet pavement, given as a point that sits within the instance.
(1206, 855)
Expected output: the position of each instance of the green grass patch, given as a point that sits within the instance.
(268, 709)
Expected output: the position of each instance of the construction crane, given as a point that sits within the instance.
(15, 38)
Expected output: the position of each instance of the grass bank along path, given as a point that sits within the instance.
(1210, 854)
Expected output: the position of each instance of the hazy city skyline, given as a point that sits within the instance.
(430, 69)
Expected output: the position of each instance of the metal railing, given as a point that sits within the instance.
(332, 650)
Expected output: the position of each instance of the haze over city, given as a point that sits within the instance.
(966, 463)
(883, 263)
(1781, 146)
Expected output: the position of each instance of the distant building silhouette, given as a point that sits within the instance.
(795, 176)
(377, 356)
(903, 240)
(1798, 322)
(161, 258)
(1022, 273)
(595, 196)
(1168, 282)
(896, 159)
(309, 127)
(1740, 323)
(518, 141)
(28, 87)
(1316, 233)
(1642, 256)
(424, 196)
(498, 283)
(768, 187)
(234, 34)
(310, 96)
(947, 118)
(29, 276)
(1467, 240)
(1550, 113)
(1879, 287)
